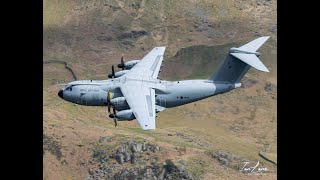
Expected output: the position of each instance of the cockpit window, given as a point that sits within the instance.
(68, 88)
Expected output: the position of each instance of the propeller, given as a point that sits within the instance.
(112, 75)
(109, 100)
(122, 65)
(114, 116)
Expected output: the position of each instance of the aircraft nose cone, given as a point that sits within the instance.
(60, 94)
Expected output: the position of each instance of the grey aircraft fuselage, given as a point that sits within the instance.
(168, 93)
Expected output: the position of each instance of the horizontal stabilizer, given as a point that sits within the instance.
(252, 60)
(255, 44)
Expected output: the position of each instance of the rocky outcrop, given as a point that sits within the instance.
(249, 83)
(228, 159)
(136, 160)
(132, 34)
(270, 88)
(51, 145)
(127, 151)
(165, 171)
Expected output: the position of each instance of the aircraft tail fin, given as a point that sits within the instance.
(238, 62)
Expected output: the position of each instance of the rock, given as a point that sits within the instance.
(223, 161)
(104, 38)
(90, 170)
(181, 168)
(123, 148)
(120, 158)
(235, 128)
(144, 147)
(137, 147)
(223, 157)
(270, 87)
(273, 28)
(169, 166)
(53, 146)
(162, 174)
(190, 176)
(64, 162)
(183, 162)
(153, 148)
(133, 159)
(249, 83)
(105, 139)
(133, 34)
(127, 156)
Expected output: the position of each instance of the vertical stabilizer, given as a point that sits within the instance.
(238, 62)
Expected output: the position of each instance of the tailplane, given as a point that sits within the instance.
(238, 62)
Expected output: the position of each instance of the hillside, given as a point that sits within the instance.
(203, 140)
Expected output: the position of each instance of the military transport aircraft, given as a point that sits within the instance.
(137, 92)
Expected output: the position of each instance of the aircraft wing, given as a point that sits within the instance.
(141, 100)
(138, 92)
(149, 65)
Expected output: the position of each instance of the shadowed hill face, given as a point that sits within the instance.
(91, 35)
(193, 62)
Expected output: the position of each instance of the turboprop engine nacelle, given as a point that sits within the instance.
(120, 73)
(125, 115)
(128, 65)
(120, 103)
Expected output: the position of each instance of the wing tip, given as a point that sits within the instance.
(160, 47)
(265, 37)
(264, 69)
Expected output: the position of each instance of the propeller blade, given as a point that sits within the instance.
(108, 108)
(108, 96)
(115, 117)
(109, 100)
(114, 110)
(115, 122)
(112, 68)
(122, 62)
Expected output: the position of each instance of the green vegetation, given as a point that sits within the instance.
(54, 10)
